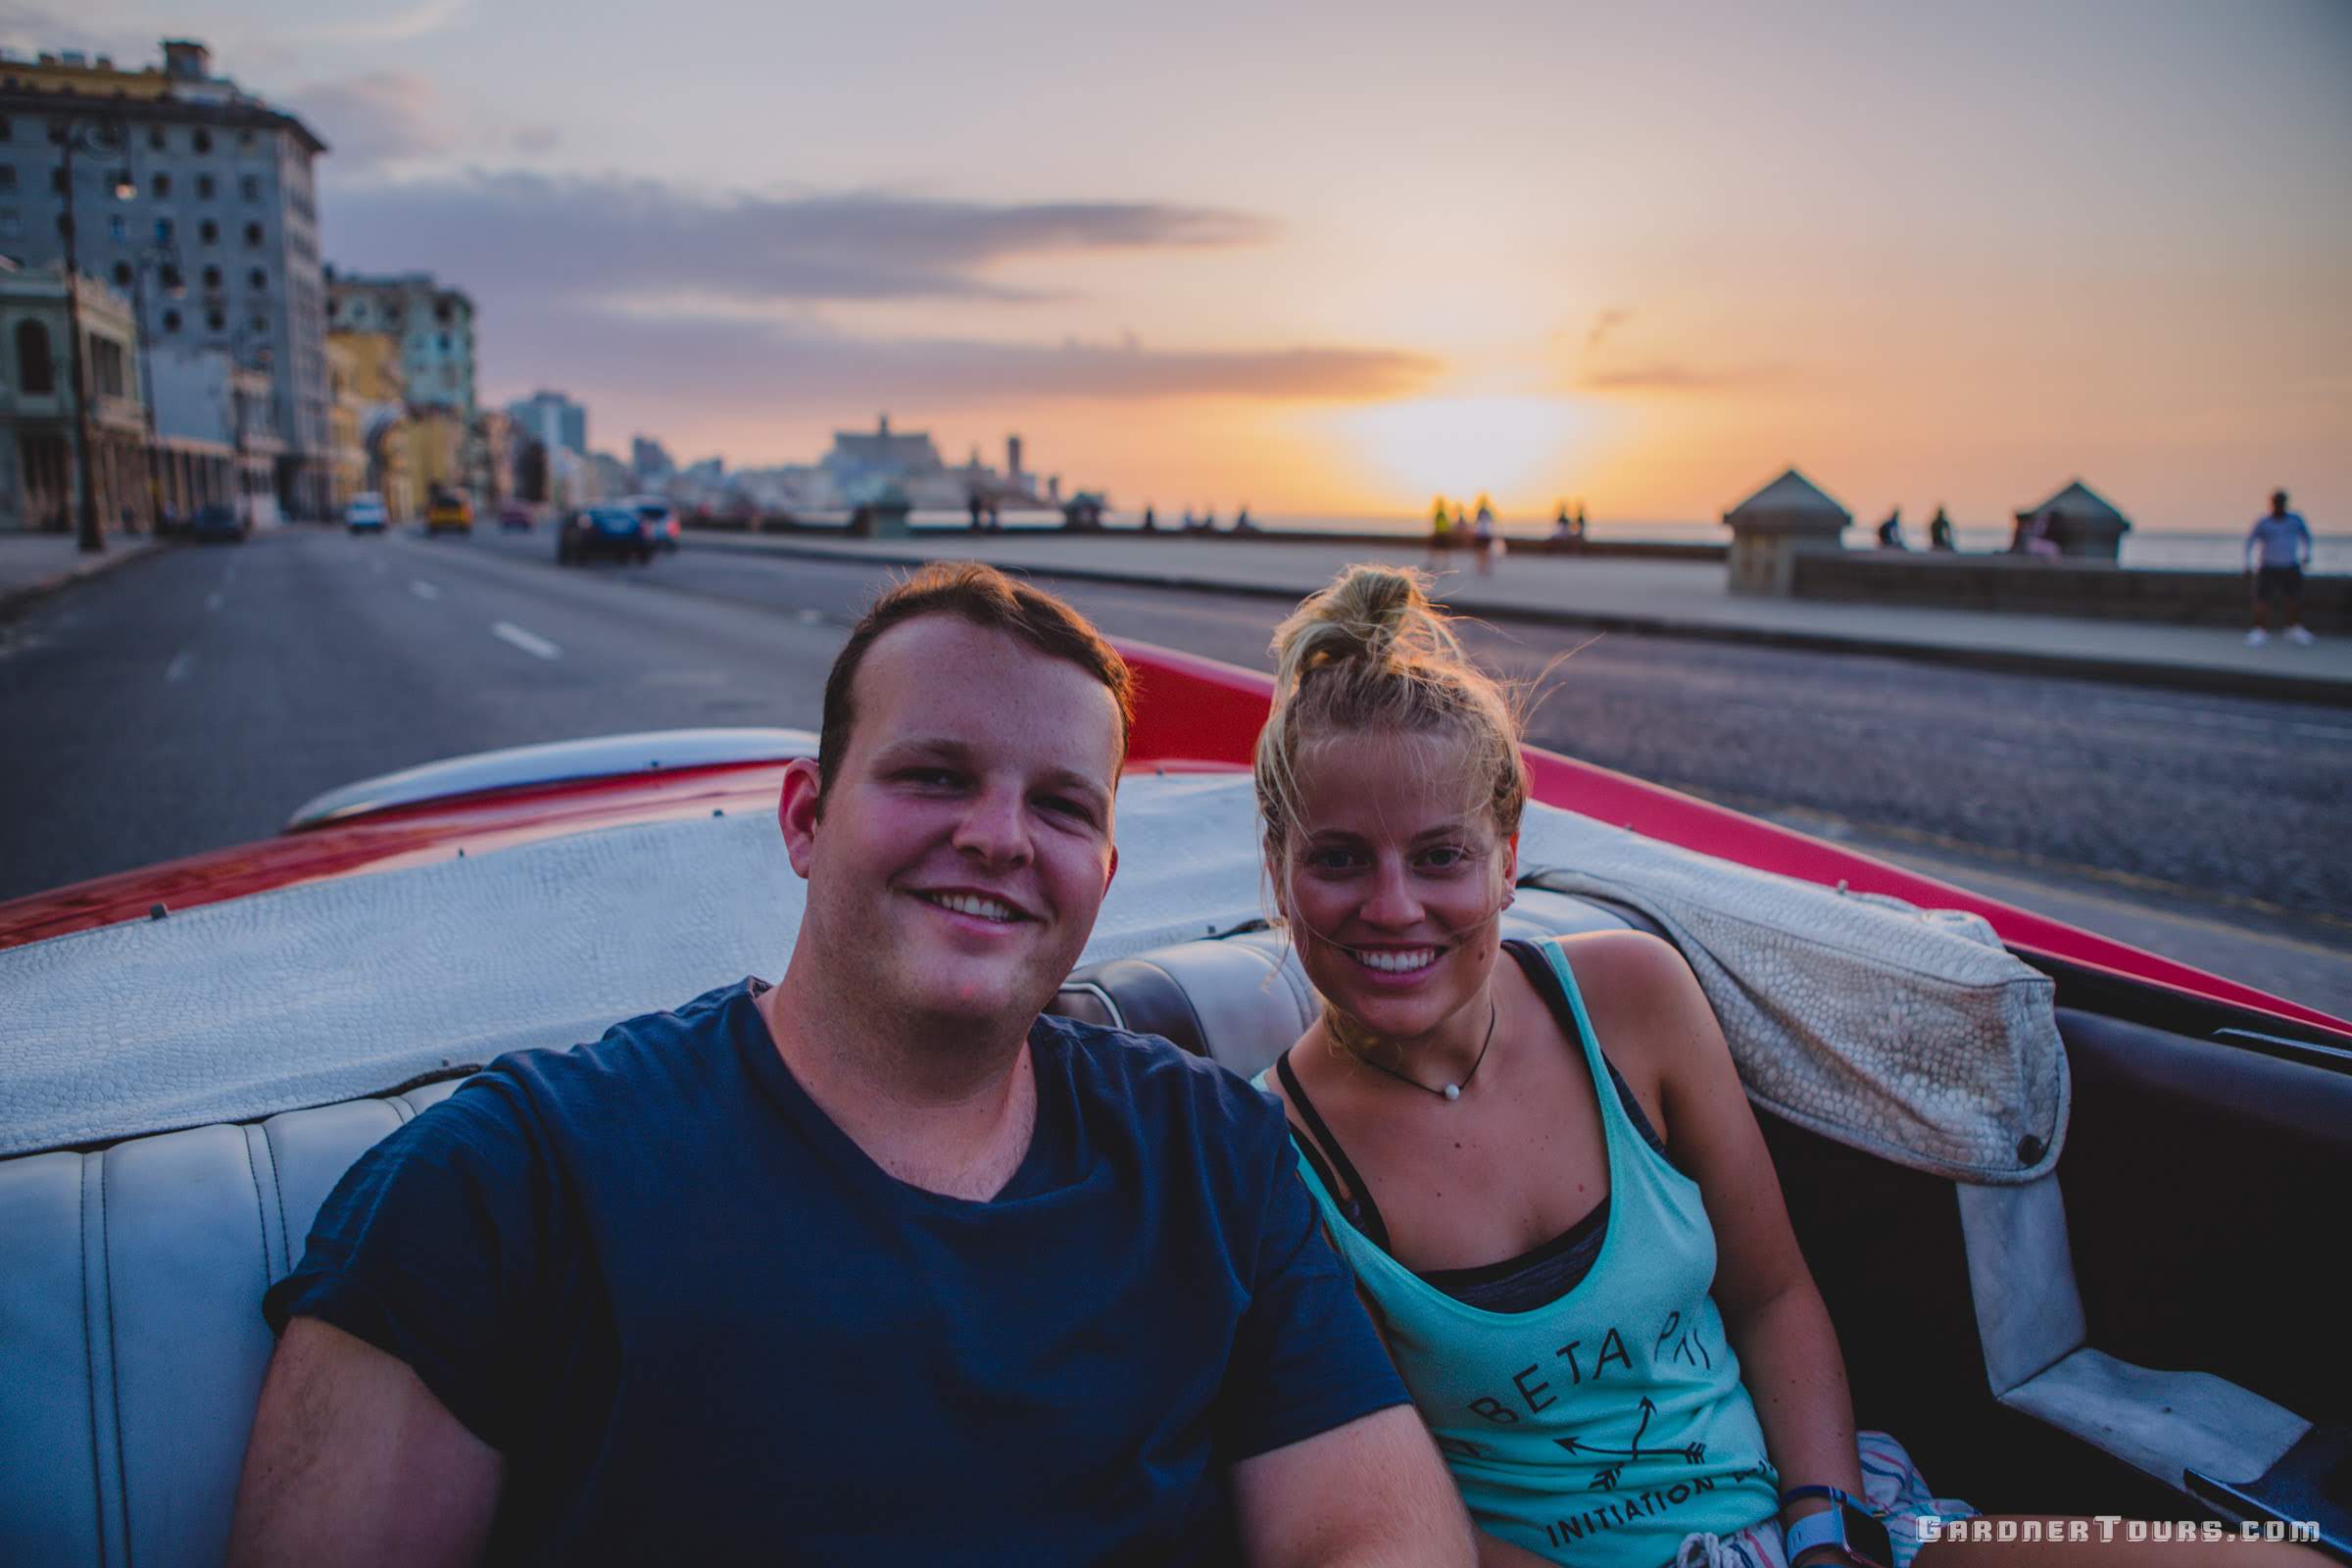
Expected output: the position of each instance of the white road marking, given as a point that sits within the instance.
(528, 642)
(212, 601)
(177, 670)
(422, 589)
(811, 618)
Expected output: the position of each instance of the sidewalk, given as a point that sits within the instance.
(33, 564)
(1665, 598)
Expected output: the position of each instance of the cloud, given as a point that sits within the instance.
(381, 25)
(642, 297)
(384, 116)
(705, 367)
(1669, 376)
(616, 239)
(1603, 323)
(536, 138)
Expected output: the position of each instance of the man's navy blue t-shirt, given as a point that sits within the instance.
(701, 1324)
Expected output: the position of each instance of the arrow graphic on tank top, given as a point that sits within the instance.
(1605, 1479)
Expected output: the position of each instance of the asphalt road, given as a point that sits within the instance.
(194, 699)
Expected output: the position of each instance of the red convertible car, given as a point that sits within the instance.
(2122, 1309)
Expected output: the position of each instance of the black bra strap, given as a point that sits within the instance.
(1367, 1213)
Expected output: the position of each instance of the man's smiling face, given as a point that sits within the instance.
(964, 844)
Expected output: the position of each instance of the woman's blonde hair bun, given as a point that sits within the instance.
(1373, 652)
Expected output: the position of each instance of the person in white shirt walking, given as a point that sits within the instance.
(2278, 548)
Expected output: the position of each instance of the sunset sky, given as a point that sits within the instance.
(1334, 258)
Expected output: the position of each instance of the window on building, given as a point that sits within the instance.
(258, 280)
(121, 274)
(209, 232)
(203, 141)
(118, 228)
(245, 140)
(64, 222)
(258, 322)
(250, 187)
(170, 320)
(170, 278)
(441, 315)
(204, 187)
(162, 186)
(445, 342)
(155, 138)
(252, 236)
(212, 278)
(106, 365)
(164, 230)
(7, 176)
(36, 371)
(216, 319)
(56, 181)
(12, 223)
(6, 134)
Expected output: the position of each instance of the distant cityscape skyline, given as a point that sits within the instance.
(1541, 251)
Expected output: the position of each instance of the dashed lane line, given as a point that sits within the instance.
(422, 589)
(528, 642)
(212, 601)
(177, 670)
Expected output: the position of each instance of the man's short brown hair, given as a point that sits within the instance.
(989, 600)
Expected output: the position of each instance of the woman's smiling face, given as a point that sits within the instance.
(1392, 880)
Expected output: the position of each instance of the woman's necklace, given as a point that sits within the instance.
(1451, 1091)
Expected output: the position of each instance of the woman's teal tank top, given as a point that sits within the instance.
(1604, 1427)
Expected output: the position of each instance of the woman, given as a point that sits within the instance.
(1537, 1158)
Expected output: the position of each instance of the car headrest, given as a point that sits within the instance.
(1242, 999)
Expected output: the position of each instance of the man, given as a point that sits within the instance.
(2278, 548)
(876, 1265)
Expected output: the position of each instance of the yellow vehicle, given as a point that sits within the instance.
(450, 510)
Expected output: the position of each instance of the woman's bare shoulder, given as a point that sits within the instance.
(1646, 1006)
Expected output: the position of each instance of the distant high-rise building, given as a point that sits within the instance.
(553, 421)
(193, 198)
(1013, 458)
(651, 461)
(434, 326)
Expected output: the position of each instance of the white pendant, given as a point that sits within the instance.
(1453, 1090)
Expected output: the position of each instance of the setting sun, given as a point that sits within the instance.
(1508, 446)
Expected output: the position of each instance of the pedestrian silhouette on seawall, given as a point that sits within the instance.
(1890, 532)
(1940, 531)
(1484, 536)
(2278, 548)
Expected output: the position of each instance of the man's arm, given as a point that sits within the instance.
(1371, 1491)
(353, 1461)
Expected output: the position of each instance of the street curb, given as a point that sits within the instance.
(2318, 689)
(16, 600)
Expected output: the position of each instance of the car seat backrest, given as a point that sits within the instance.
(132, 1341)
(1242, 999)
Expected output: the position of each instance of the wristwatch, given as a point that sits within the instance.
(1859, 1537)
